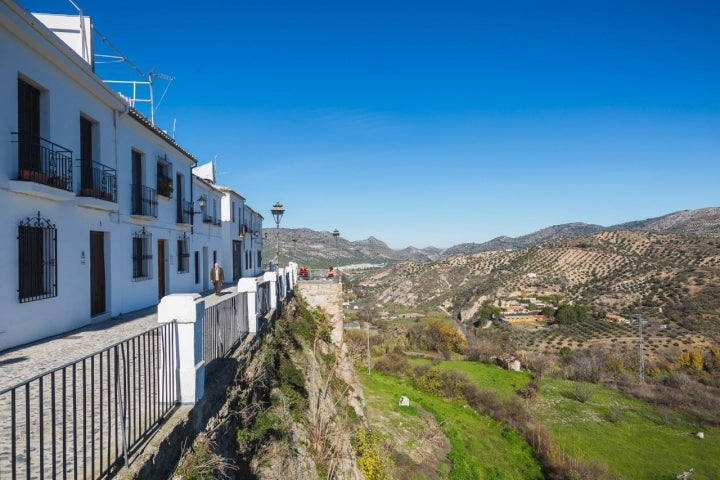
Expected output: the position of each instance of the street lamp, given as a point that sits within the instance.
(277, 211)
(336, 234)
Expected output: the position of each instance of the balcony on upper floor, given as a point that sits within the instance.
(144, 201)
(42, 161)
(97, 181)
(185, 212)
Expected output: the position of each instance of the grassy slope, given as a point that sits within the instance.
(646, 442)
(481, 448)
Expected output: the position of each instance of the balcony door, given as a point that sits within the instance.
(28, 127)
(86, 172)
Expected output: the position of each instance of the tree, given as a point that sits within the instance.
(548, 312)
(566, 315)
(490, 312)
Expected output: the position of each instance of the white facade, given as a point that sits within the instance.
(253, 243)
(233, 212)
(100, 213)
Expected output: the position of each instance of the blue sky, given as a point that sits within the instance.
(438, 123)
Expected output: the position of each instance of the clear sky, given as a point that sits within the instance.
(436, 123)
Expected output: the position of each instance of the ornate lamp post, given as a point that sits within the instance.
(336, 234)
(277, 211)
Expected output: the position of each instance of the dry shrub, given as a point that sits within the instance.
(394, 363)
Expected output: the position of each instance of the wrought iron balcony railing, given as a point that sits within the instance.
(42, 161)
(144, 201)
(185, 212)
(98, 181)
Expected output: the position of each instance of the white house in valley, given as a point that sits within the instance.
(101, 211)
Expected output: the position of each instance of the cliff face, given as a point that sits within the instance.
(318, 442)
(292, 410)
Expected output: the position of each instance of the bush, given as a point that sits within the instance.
(371, 462)
(395, 363)
(582, 392)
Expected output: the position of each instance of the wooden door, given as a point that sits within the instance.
(161, 268)
(97, 273)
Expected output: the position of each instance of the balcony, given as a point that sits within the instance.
(45, 162)
(185, 212)
(98, 181)
(144, 201)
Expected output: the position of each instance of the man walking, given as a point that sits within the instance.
(217, 277)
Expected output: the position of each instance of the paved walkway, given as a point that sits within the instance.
(23, 363)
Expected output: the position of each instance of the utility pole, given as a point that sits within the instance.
(641, 359)
(367, 331)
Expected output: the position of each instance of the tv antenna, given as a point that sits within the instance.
(148, 78)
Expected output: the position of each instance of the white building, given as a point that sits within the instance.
(101, 213)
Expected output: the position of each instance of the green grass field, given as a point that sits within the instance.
(480, 447)
(632, 439)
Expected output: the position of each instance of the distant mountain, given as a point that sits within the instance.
(508, 243)
(701, 221)
(320, 249)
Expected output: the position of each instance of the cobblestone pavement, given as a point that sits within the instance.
(23, 363)
(45, 408)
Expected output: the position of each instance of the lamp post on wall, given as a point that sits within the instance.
(277, 211)
(336, 234)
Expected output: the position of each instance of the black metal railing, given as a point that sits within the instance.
(225, 324)
(83, 419)
(42, 161)
(144, 201)
(318, 274)
(184, 212)
(263, 298)
(97, 180)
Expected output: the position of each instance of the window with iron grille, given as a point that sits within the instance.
(37, 255)
(183, 255)
(142, 255)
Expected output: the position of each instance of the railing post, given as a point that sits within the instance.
(293, 277)
(272, 278)
(248, 287)
(188, 311)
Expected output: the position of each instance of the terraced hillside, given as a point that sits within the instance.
(671, 276)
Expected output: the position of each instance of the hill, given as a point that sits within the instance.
(673, 276)
(320, 249)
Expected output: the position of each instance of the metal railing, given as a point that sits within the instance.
(263, 299)
(184, 212)
(42, 161)
(225, 324)
(144, 201)
(318, 274)
(83, 419)
(97, 181)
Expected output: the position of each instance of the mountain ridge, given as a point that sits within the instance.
(321, 249)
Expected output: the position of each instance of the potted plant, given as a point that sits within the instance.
(164, 186)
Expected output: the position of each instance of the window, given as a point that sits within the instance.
(164, 177)
(37, 254)
(233, 212)
(183, 255)
(142, 255)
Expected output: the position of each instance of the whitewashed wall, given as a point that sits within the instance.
(72, 90)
